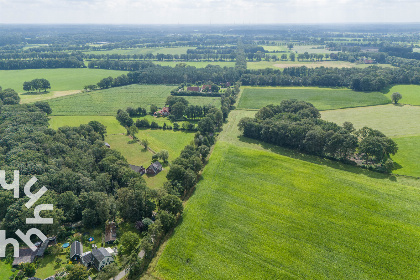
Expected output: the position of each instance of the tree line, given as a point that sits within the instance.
(14, 64)
(36, 85)
(297, 125)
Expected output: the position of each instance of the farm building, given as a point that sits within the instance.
(98, 258)
(163, 112)
(196, 89)
(111, 232)
(138, 169)
(76, 251)
(154, 168)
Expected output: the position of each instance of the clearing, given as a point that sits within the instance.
(321, 98)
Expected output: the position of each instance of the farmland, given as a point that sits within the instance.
(410, 94)
(408, 156)
(154, 51)
(107, 102)
(263, 215)
(61, 80)
(111, 123)
(321, 98)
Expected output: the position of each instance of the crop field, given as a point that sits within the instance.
(111, 123)
(275, 48)
(108, 101)
(321, 98)
(60, 79)
(311, 49)
(408, 156)
(172, 141)
(390, 119)
(410, 94)
(177, 50)
(260, 215)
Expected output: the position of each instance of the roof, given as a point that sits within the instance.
(76, 249)
(26, 255)
(155, 167)
(193, 88)
(98, 255)
(44, 247)
(206, 86)
(136, 168)
(110, 232)
(87, 257)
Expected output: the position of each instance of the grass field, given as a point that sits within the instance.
(260, 215)
(172, 141)
(60, 79)
(111, 123)
(198, 64)
(107, 102)
(410, 94)
(48, 267)
(390, 119)
(177, 50)
(408, 155)
(5, 270)
(311, 49)
(321, 98)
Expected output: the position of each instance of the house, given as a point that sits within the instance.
(107, 145)
(138, 169)
(154, 168)
(98, 257)
(205, 87)
(111, 232)
(196, 89)
(76, 251)
(163, 112)
(26, 255)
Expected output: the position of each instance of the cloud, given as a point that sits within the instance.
(206, 11)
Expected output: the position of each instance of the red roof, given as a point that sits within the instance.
(193, 88)
(206, 86)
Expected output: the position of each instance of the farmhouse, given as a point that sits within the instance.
(98, 257)
(163, 112)
(196, 89)
(138, 169)
(76, 251)
(154, 168)
(111, 232)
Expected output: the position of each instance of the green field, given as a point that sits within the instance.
(60, 79)
(390, 119)
(311, 49)
(260, 215)
(321, 98)
(172, 141)
(408, 156)
(111, 123)
(107, 102)
(5, 270)
(198, 64)
(177, 50)
(410, 94)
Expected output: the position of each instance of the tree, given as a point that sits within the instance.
(58, 261)
(396, 96)
(145, 143)
(44, 106)
(124, 118)
(163, 155)
(128, 243)
(178, 110)
(98, 128)
(132, 130)
(77, 272)
(292, 56)
(27, 86)
(153, 109)
(171, 203)
(167, 219)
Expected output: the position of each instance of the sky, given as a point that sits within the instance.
(208, 11)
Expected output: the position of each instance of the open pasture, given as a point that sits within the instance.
(321, 98)
(408, 156)
(61, 80)
(260, 215)
(392, 120)
(410, 94)
(111, 123)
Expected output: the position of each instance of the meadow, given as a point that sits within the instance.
(111, 123)
(321, 98)
(261, 215)
(61, 80)
(107, 102)
(410, 94)
(408, 156)
(392, 120)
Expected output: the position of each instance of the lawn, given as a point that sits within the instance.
(5, 270)
(111, 123)
(48, 267)
(61, 80)
(261, 215)
(107, 102)
(321, 98)
(172, 141)
(390, 119)
(408, 156)
(410, 94)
